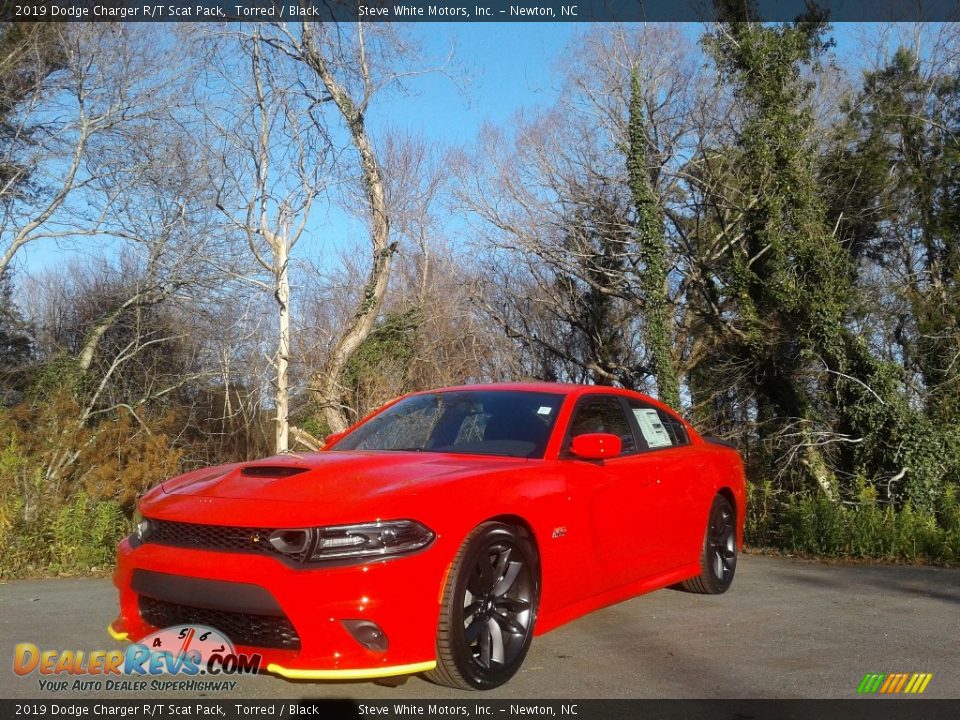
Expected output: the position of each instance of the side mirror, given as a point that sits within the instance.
(596, 446)
(333, 437)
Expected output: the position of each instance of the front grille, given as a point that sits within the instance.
(212, 537)
(243, 629)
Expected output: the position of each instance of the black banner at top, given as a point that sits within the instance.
(467, 10)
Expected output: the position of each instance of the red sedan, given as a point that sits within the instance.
(439, 534)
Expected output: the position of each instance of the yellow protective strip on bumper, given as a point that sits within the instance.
(358, 674)
(114, 634)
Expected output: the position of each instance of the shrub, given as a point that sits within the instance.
(814, 525)
(79, 537)
(86, 533)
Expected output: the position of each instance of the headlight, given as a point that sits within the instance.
(365, 540)
(141, 526)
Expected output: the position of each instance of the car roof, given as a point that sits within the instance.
(539, 386)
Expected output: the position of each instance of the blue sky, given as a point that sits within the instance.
(498, 69)
(506, 66)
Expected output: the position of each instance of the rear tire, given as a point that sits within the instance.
(718, 560)
(488, 610)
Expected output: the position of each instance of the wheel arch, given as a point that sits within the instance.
(738, 512)
(728, 494)
(523, 524)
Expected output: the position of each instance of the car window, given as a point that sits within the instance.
(411, 427)
(678, 433)
(472, 428)
(603, 414)
(658, 429)
(481, 422)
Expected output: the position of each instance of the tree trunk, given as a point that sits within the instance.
(652, 249)
(326, 385)
(283, 345)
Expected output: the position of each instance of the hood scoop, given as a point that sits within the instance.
(272, 471)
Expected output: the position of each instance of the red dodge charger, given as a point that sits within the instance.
(439, 534)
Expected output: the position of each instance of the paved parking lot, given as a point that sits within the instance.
(787, 629)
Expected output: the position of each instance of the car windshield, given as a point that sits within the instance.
(476, 422)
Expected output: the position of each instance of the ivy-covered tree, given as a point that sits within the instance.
(651, 251)
(894, 179)
(827, 402)
(790, 280)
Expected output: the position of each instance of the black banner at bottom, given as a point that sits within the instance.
(478, 708)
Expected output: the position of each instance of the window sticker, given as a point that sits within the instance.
(544, 410)
(653, 430)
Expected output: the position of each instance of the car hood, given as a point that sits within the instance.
(331, 476)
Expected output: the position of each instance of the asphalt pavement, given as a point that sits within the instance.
(787, 628)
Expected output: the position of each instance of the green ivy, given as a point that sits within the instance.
(652, 254)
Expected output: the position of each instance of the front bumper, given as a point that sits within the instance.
(401, 595)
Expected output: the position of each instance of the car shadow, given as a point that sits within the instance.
(917, 581)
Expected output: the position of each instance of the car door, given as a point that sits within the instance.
(678, 470)
(619, 496)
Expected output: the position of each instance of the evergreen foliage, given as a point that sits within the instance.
(380, 369)
(16, 347)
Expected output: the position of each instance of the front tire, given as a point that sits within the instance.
(488, 610)
(718, 561)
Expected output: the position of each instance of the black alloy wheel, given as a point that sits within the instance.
(489, 608)
(718, 562)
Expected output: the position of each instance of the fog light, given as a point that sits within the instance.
(367, 634)
(290, 542)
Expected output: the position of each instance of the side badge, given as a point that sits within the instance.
(559, 532)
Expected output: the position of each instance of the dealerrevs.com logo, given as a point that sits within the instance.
(180, 650)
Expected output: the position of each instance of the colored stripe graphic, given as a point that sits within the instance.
(871, 682)
(901, 679)
(893, 683)
(890, 682)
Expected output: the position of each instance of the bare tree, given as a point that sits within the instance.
(556, 223)
(353, 66)
(276, 161)
(113, 79)
(137, 190)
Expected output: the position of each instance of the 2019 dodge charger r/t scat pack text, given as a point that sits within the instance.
(439, 534)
